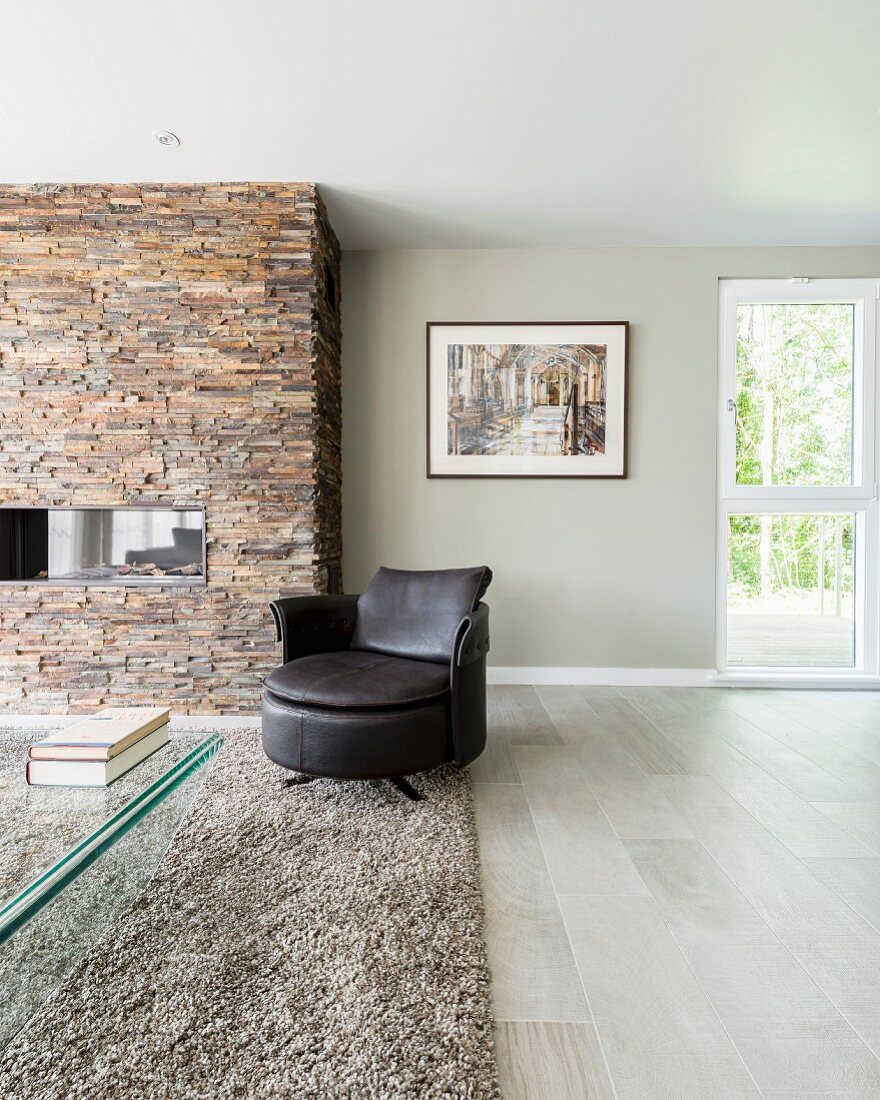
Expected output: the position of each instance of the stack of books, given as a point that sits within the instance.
(98, 749)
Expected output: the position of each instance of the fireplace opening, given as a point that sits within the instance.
(137, 545)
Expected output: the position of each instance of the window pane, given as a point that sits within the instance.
(790, 591)
(794, 393)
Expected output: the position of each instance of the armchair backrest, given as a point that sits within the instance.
(416, 613)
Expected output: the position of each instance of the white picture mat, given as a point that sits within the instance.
(609, 464)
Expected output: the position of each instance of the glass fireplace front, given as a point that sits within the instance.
(103, 545)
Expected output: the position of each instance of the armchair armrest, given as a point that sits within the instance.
(473, 637)
(313, 624)
(468, 684)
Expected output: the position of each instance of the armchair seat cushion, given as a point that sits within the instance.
(360, 679)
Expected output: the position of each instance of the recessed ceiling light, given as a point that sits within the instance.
(166, 138)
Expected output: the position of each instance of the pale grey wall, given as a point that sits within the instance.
(587, 573)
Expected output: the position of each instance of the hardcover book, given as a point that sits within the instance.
(94, 773)
(100, 736)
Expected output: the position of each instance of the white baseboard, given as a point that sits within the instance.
(810, 680)
(595, 677)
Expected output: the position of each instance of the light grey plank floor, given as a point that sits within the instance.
(859, 819)
(789, 1033)
(857, 881)
(660, 1033)
(533, 971)
(583, 853)
(634, 805)
(516, 716)
(570, 1057)
(682, 892)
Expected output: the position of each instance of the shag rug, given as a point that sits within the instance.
(323, 939)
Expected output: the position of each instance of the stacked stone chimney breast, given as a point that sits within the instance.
(169, 344)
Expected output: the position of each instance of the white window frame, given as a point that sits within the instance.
(859, 499)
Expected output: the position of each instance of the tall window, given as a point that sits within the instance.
(798, 573)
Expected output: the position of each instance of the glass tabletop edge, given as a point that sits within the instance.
(26, 902)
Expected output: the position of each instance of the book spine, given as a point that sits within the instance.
(35, 752)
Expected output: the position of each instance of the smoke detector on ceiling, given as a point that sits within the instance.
(166, 138)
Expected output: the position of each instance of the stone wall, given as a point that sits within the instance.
(174, 344)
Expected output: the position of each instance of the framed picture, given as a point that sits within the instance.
(527, 399)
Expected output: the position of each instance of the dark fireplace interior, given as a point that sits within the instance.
(102, 545)
(24, 543)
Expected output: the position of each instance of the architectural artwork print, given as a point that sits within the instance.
(526, 399)
(525, 406)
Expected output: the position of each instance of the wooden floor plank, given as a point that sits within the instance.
(800, 826)
(653, 752)
(740, 958)
(795, 727)
(597, 738)
(857, 881)
(541, 1061)
(570, 713)
(525, 719)
(582, 852)
(789, 1034)
(660, 1034)
(633, 803)
(534, 976)
(690, 888)
(736, 768)
(839, 950)
(860, 819)
(805, 778)
(777, 884)
(515, 716)
(655, 702)
(855, 708)
(863, 781)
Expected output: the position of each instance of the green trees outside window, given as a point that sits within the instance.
(794, 427)
(794, 394)
(806, 560)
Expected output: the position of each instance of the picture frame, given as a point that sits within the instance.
(527, 399)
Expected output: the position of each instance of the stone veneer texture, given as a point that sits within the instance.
(169, 344)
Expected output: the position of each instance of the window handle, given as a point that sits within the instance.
(731, 407)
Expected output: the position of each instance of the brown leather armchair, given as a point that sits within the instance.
(381, 685)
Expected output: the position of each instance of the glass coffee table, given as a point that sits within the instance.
(72, 859)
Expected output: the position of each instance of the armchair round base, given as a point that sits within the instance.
(356, 743)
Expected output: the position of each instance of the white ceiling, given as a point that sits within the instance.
(470, 122)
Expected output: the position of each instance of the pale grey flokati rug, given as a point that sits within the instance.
(321, 940)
